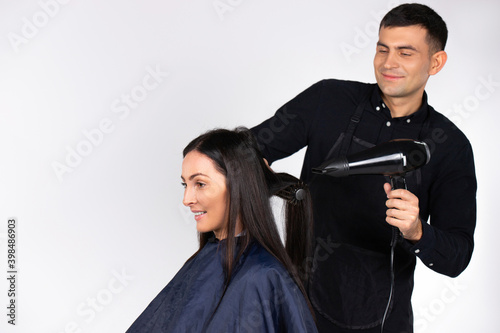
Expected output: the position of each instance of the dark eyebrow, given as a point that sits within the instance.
(403, 47)
(407, 47)
(382, 44)
(194, 175)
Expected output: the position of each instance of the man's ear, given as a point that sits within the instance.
(438, 60)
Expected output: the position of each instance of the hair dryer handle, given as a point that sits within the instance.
(398, 182)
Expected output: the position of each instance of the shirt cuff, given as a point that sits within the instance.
(424, 248)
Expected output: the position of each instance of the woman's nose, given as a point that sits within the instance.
(189, 197)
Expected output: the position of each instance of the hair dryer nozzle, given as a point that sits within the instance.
(337, 167)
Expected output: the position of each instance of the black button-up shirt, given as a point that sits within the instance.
(351, 271)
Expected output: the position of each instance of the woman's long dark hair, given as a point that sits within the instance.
(250, 184)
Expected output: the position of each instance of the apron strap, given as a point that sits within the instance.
(351, 127)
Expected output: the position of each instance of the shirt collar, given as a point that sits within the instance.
(419, 116)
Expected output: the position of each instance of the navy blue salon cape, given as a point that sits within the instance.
(261, 297)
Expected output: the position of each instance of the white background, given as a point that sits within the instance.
(98, 239)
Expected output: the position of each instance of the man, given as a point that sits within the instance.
(351, 284)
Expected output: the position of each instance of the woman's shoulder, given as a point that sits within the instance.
(268, 292)
(262, 267)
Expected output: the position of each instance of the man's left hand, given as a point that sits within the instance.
(403, 212)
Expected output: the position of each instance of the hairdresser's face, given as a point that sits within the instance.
(205, 193)
(402, 62)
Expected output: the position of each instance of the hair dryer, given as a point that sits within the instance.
(393, 158)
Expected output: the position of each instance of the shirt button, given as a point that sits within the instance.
(383, 105)
(377, 108)
(417, 251)
(431, 264)
(388, 123)
(408, 120)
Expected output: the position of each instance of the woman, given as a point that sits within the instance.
(241, 279)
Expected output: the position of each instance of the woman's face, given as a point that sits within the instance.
(205, 193)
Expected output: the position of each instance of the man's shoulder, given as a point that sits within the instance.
(349, 84)
(442, 124)
(338, 88)
(446, 141)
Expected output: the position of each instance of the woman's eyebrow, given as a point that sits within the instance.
(194, 175)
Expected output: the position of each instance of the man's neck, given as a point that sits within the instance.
(402, 106)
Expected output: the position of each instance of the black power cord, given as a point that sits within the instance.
(397, 181)
(396, 236)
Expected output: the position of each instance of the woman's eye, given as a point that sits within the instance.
(184, 185)
(200, 184)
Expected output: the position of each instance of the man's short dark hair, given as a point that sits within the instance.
(417, 14)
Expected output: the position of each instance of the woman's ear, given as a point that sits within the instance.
(438, 60)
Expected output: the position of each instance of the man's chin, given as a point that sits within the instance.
(391, 89)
